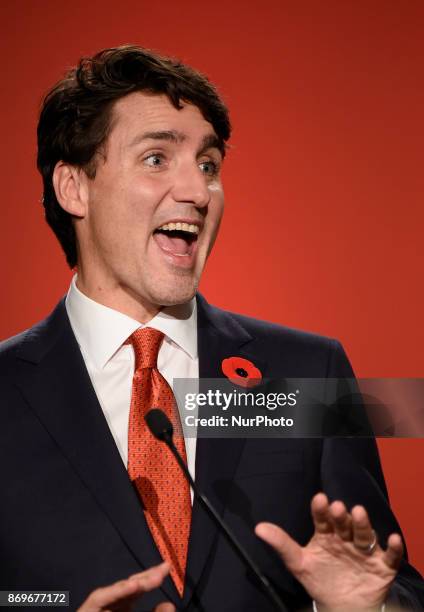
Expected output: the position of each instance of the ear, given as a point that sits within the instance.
(70, 185)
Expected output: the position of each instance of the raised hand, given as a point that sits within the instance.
(120, 596)
(342, 567)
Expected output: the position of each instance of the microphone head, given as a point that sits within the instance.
(159, 424)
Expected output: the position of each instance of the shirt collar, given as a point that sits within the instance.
(101, 331)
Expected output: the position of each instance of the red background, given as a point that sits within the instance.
(324, 184)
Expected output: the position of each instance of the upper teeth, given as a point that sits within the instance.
(185, 227)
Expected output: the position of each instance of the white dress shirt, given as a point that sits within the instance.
(101, 333)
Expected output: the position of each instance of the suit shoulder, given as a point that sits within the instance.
(36, 339)
(281, 333)
(9, 351)
(286, 350)
(10, 346)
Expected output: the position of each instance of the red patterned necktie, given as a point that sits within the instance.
(152, 468)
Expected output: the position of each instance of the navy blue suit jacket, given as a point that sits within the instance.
(70, 519)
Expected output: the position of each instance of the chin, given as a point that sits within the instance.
(180, 293)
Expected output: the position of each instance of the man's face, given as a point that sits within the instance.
(153, 208)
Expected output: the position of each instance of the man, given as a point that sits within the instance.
(130, 149)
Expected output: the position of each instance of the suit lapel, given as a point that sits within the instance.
(219, 336)
(54, 380)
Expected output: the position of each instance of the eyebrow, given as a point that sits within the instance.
(210, 141)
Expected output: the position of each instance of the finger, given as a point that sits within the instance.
(105, 596)
(393, 554)
(124, 589)
(363, 533)
(289, 550)
(320, 514)
(155, 573)
(342, 521)
(165, 607)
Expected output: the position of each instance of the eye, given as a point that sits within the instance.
(209, 167)
(154, 160)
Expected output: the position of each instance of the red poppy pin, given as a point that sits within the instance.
(241, 371)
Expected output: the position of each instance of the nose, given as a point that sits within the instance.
(190, 186)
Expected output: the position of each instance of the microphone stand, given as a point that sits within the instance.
(161, 428)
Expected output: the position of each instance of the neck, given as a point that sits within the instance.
(119, 298)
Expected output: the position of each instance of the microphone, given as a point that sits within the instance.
(161, 427)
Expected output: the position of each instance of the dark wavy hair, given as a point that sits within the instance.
(75, 117)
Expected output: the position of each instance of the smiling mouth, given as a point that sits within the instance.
(177, 239)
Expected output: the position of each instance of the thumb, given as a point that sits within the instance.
(289, 550)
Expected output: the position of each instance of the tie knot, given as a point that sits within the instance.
(146, 342)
